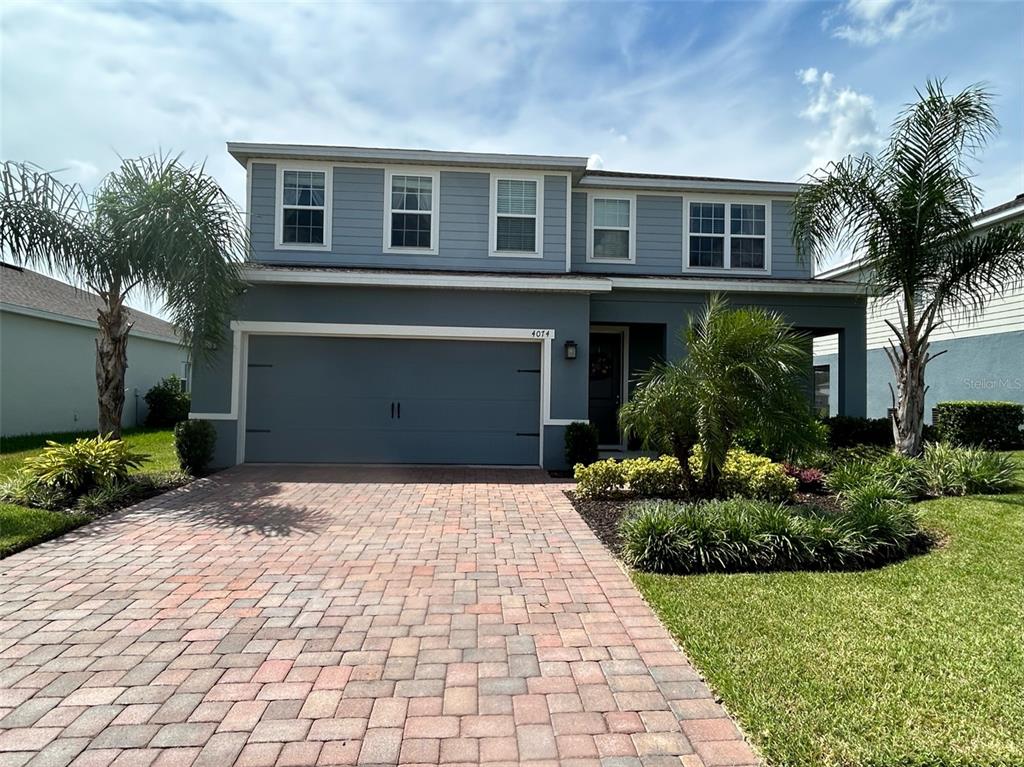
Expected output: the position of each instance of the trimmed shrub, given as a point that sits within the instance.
(168, 403)
(750, 476)
(601, 479)
(850, 431)
(868, 453)
(194, 442)
(581, 441)
(84, 464)
(995, 425)
(743, 535)
(661, 478)
(954, 470)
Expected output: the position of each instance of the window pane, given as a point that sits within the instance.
(303, 188)
(707, 252)
(747, 253)
(411, 192)
(517, 233)
(517, 197)
(747, 219)
(611, 213)
(410, 230)
(303, 226)
(611, 243)
(707, 218)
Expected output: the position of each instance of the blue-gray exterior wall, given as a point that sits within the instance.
(815, 314)
(660, 230)
(567, 314)
(357, 222)
(983, 367)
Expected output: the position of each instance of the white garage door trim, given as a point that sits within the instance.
(243, 329)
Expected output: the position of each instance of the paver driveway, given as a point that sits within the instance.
(321, 615)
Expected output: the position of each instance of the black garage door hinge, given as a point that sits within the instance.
(257, 431)
(528, 370)
(260, 365)
(527, 433)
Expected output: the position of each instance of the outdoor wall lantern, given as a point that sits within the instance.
(570, 350)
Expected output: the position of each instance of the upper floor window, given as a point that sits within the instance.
(411, 223)
(611, 234)
(516, 218)
(727, 235)
(304, 205)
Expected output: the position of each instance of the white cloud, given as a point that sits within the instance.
(870, 22)
(595, 162)
(845, 119)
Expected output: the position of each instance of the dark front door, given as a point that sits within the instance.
(606, 385)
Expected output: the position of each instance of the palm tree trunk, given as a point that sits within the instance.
(111, 362)
(910, 389)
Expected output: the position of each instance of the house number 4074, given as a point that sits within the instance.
(543, 333)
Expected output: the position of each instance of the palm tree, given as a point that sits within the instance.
(154, 226)
(907, 213)
(745, 370)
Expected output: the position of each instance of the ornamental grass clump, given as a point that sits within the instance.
(956, 470)
(741, 535)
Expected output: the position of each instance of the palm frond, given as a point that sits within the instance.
(180, 237)
(44, 222)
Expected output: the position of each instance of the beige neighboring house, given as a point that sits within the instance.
(48, 356)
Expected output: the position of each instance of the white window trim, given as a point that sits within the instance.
(435, 196)
(631, 199)
(328, 171)
(728, 200)
(493, 218)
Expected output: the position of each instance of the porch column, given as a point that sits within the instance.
(853, 369)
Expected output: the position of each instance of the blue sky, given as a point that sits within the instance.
(727, 88)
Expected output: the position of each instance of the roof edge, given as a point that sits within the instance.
(243, 151)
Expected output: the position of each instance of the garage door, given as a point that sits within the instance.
(361, 400)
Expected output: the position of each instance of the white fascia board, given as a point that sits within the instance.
(554, 284)
(243, 151)
(999, 216)
(425, 332)
(54, 317)
(778, 188)
(726, 285)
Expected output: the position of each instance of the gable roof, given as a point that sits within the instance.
(25, 289)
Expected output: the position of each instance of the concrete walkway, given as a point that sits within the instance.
(326, 615)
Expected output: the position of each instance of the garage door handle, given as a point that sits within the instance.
(399, 410)
(392, 409)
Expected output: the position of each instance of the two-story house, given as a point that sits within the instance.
(432, 307)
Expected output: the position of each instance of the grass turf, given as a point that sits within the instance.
(21, 527)
(158, 444)
(918, 663)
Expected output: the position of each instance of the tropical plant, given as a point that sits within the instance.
(908, 214)
(84, 464)
(154, 227)
(745, 370)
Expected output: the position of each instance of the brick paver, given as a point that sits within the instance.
(326, 616)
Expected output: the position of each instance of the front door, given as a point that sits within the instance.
(606, 384)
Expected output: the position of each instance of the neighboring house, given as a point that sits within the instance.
(450, 307)
(48, 356)
(983, 354)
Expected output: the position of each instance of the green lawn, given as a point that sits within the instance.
(157, 443)
(918, 663)
(21, 527)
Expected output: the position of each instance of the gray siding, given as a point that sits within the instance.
(784, 260)
(357, 220)
(659, 239)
